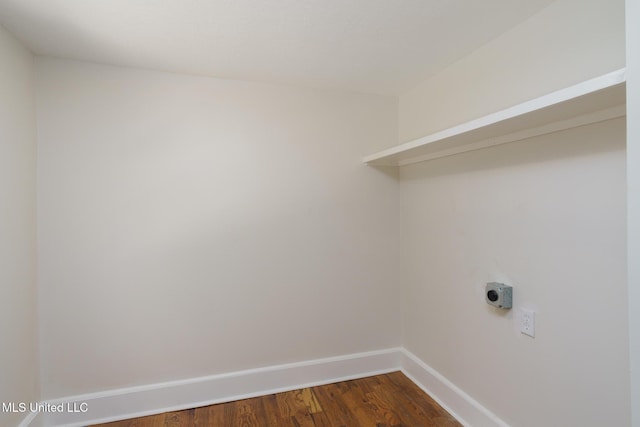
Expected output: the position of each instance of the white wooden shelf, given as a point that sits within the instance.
(599, 99)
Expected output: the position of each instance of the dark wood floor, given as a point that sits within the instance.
(390, 400)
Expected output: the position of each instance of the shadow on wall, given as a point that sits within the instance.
(572, 143)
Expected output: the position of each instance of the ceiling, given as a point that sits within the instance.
(374, 46)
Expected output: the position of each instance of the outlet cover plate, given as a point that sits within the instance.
(528, 322)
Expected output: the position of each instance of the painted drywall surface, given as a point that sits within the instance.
(18, 354)
(633, 198)
(568, 42)
(192, 226)
(545, 215)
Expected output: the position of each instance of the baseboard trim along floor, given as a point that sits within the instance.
(151, 399)
(458, 403)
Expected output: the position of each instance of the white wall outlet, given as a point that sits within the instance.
(528, 322)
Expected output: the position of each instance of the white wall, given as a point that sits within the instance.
(191, 226)
(546, 215)
(568, 42)
(18, 354)
(633, 197)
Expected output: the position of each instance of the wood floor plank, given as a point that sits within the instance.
(173, 419)
(292, 406)
(217, 416)
(382, 402)
(362, 409)
(307, 397)
(417, 402)
(336, 412)
(388, 405)
(257, 403)
(201, 416)
(273, 415)
(388, 400)
(247, 413)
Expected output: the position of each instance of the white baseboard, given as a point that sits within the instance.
(458, 403)
(33, 419)
(176, 395)
(140, 401)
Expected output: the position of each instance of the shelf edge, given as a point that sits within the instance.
(572, 92)
(574, 122)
